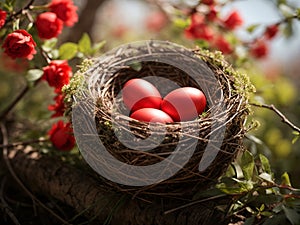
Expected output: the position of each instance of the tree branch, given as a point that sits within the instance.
(29, 4)
(17, 179)
(85, 22)
(280, 114)
(91, 198)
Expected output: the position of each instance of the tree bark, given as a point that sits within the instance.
(86, 20)
(51, 177)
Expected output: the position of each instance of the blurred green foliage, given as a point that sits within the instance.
(274, 138)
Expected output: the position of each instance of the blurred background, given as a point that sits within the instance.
(276, 77)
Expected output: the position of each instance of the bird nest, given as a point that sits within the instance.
(174, 159)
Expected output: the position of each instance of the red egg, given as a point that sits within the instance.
(138, 93)
(184, 104)
(151, 115)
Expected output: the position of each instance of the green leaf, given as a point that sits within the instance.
(266, 177)
(285, 179)
(230, 190)
(29, 26)
(279, 219)
(34, 75)
(266, 214)
(293, 203)
(279, 2)
(137, 66)
(49, 44)
(238, 170)
(298, 13)
(250, 221)
(252, 28)
(297, 136)
(292, 215)
(265, 199)
(235, 186)
(277, 209)
(98, 46)
(9, 6)
(262, 207)
(247, 165)
(68, 50)
(181, 23)
(16, 24)
(265, 163)
(245, 185)
(286, 10)
(207, 194)
(84, 44)
(288, 29)
(230, 171)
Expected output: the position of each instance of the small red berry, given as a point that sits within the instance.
(259, 49)
(271, 31)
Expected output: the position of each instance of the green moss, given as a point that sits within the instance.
(76, 85)
(242, 84)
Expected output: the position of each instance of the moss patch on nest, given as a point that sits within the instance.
(242, 83)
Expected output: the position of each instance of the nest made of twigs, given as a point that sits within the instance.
(204, 147)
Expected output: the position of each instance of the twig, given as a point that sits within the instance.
(14, 175)
(29, 4)
(5, 206)
(194, 203)
(280, 114)
(24, 143)
(12, 105)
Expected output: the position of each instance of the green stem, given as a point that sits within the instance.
(39, 7)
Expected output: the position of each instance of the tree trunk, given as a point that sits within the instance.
(85, 22)
(51, 177)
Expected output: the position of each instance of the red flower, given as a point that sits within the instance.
(271, 31)
(19, 44)
(156, 21)
(208, 2)
(233, 21)
(57, 74)
(212, 14)
(198, 29)
(58, 107)
(61, 136)
(223, 45)
(65, 10)
(48, 25)
(259, 49)
(2, 18)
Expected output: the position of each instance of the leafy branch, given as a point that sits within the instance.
(257, 198)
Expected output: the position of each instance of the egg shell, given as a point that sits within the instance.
(184, 104)
(151, 115)
(138, 93)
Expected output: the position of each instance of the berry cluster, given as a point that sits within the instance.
(207, 24)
